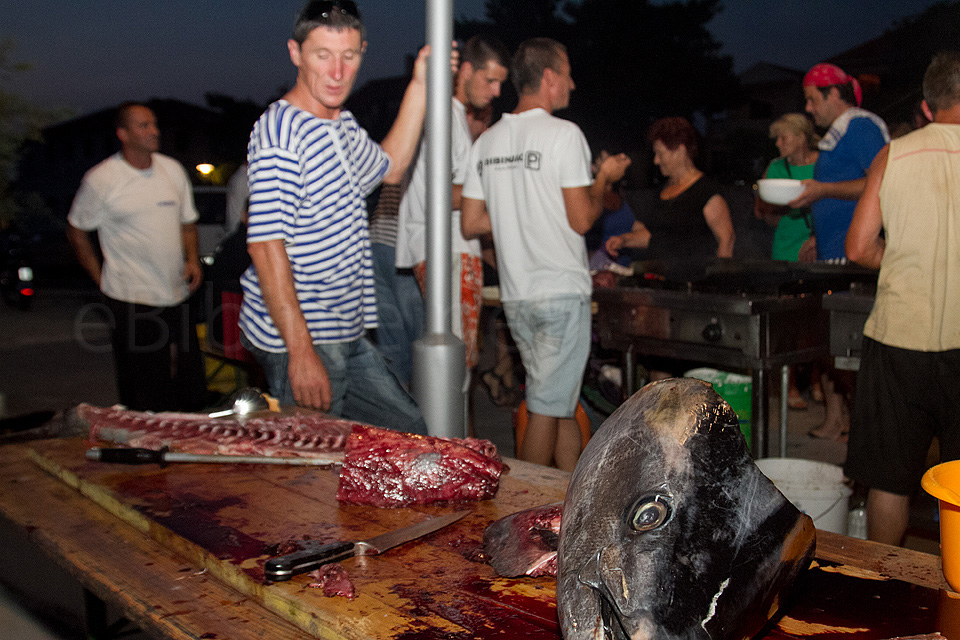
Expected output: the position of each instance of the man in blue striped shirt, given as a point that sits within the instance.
(308, 297)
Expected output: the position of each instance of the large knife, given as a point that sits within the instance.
(137, 455)
(318, 554)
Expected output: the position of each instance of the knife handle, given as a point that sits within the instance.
(285, 567)
(134, 455)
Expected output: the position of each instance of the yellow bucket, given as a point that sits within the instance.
(943, 483)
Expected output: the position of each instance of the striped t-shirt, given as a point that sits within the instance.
(308, 180)
(383, 220)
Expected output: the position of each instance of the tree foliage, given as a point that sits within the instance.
(513, 21)
(237, 117)
(633, 60)
(20, 120)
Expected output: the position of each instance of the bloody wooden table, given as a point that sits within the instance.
(181, 549)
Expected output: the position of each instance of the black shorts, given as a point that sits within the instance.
(902, 400)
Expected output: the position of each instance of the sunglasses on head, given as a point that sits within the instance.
(326, 9)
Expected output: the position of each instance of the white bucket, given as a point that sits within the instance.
(816, 488)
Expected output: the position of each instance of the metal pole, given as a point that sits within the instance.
(784, 407)
(760, 412)
(439, 357)
(439, 198)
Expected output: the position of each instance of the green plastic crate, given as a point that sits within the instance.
(735, 388)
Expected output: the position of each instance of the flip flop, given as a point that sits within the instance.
(796, 402)
(842, 437)
(816, 393)
(500, 393)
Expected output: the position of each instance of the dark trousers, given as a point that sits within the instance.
(157, 357)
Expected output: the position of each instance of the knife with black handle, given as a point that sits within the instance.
(137, 455)
(319, 554)
(313, 557)
(133, 455)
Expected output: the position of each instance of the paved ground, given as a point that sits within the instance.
(57, 355)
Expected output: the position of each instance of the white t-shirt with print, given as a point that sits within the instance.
(519, 167)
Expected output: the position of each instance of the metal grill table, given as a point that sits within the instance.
(756, 316)
(848, 312)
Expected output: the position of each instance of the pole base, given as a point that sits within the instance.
(439, 369)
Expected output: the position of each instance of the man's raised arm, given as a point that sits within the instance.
(402, 140)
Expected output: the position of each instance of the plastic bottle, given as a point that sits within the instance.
(857, 520)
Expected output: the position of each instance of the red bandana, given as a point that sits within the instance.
(825, 75)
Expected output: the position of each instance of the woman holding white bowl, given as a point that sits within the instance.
(797, 143)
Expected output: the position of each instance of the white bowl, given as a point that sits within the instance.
(779, 190)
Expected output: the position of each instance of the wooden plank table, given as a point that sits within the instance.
(180, 550)
(154, 587)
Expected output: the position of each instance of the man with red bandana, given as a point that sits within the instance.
(853, 138)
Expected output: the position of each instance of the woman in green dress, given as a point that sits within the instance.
(797, 143)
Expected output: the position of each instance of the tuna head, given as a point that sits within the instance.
(669, 530)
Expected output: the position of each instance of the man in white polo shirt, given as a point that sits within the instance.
(483, 69)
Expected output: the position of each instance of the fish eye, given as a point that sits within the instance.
(649, 513)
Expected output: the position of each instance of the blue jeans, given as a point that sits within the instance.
(400, 312)
(362, 387)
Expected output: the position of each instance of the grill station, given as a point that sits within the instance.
(755, 315)
(848, 313)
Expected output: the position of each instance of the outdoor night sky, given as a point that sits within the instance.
(92, 54)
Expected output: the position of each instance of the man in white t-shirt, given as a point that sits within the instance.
(483, 69)
(140, 203)
(529, 183)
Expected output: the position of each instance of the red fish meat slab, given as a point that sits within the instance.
(297, 435)
(386, 468)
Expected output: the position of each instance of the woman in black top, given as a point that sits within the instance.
(690, 219)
